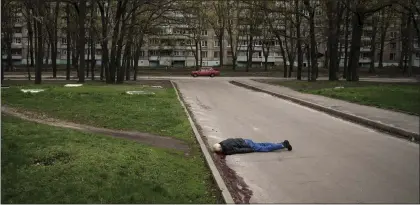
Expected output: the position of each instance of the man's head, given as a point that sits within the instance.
(217, 148)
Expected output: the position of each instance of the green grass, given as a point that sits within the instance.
(43, 164)
(404, 97)
(91, 168)
(107, 106)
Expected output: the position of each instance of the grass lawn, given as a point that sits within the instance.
(44, 164)
(403, 97)
(107, 106)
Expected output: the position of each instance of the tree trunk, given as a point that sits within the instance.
(404, 39)
(314, 60)
(93, 60)
(88, 59)
(68, 42)
(31, 39)
(357, 28)
(55, 40)
(384, 28)
(120, 74)
(410, 47)
(332, 47)
(221, 48)
(127, 52)
(283, 53)
(40, 44)
(373, 45)
(346, 43)
(82, 40)
(250, 53)
(266, 62)
(308, 56)
(104, 45)
(298, 43)
(48, 55)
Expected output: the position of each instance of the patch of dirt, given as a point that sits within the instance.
(62, 157)
(145, 138)
(239, 190)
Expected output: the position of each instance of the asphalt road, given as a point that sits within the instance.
(333, 161)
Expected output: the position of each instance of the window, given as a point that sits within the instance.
(153, 53)
(228, 44)
(366, 43)
(178, 53)
(154, 41)
(393, 34)
(17, 40)
(204, 32)
(418, 55)
(277, 43)
(203, 43)
(99, 52)
(204, 54)
(393, 45)
(64, 41)
(17, 30)
(64, 52)
(18, 20)
(392, 56)
(216, 54)
(365, 55)
(16, 51)
(229, 53)
(257, 43)
(216, 43)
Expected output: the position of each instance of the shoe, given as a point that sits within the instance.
(286, 144)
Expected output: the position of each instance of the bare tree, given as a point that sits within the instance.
(68, 41)
(334, 13)
(361, 9)
(216, 18)
(232, 27)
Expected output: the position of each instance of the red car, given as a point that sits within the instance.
(206, 71)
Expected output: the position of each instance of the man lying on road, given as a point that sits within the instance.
(239, 145)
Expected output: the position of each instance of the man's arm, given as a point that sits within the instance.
(239, 151)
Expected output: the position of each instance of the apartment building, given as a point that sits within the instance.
(173, 46)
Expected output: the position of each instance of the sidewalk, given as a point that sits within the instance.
(404, 125)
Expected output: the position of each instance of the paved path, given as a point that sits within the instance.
(396, 119)
(333, 161)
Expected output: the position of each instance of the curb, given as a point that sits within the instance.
(398, 132)
(216, 175)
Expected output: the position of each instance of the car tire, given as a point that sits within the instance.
(194, 75)
(212, 75)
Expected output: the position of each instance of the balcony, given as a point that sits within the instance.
(153, 58)
(364, 60)
(179, 58)
(365, 49)
(257, 59)
(16, 45)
